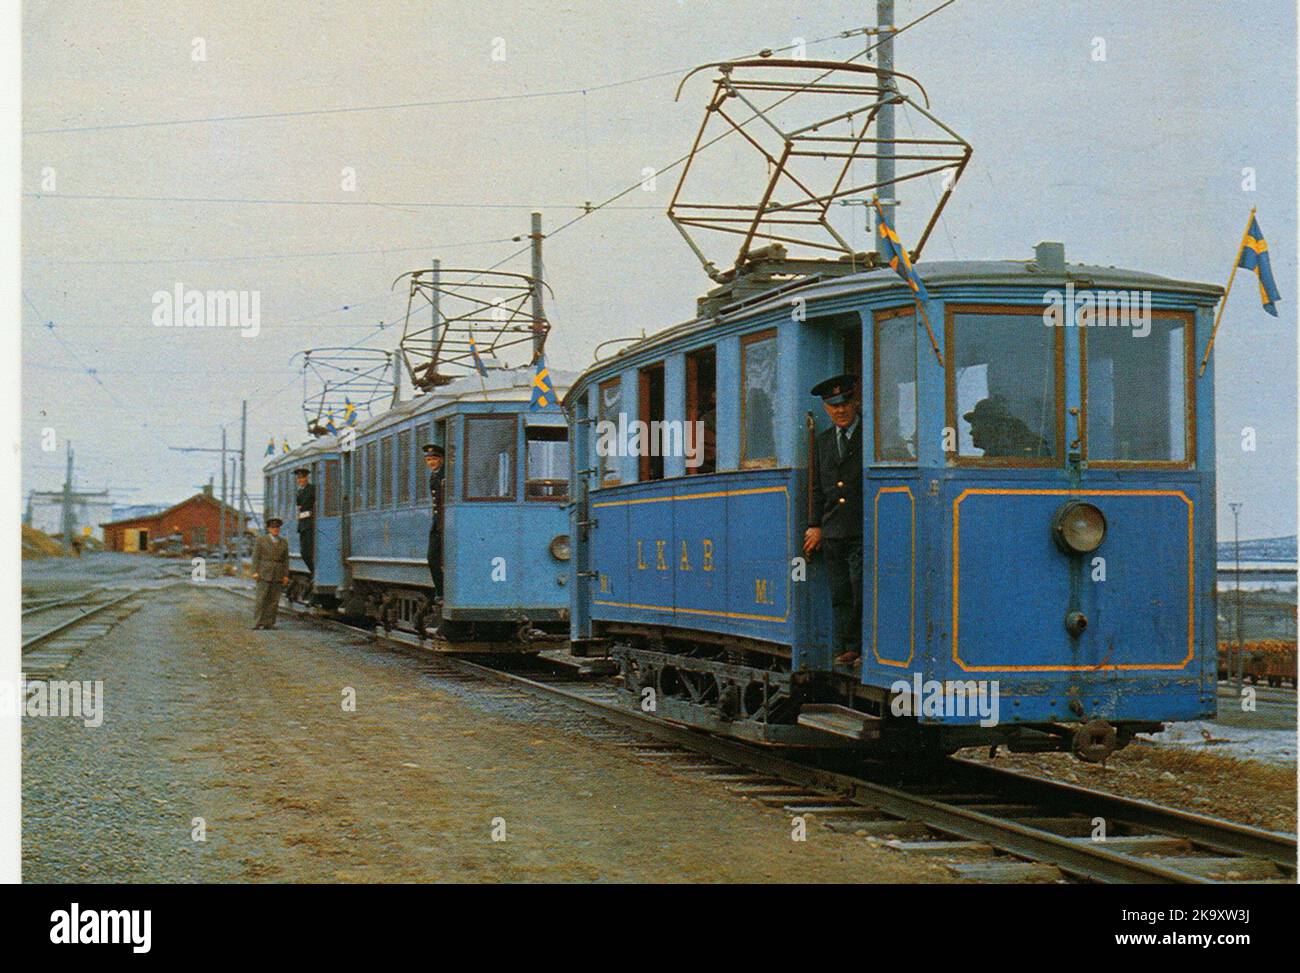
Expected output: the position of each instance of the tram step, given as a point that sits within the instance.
(839, 721)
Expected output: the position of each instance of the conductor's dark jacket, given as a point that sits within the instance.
(306, 502)
(837, 485)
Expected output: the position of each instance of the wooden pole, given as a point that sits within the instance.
(920, 306)
(1226, 291)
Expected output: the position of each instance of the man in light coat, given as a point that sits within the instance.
(270, 571)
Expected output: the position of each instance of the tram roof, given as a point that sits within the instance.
(936, 274)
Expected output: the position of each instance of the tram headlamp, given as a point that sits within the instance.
(560, 548)
(1079, 528)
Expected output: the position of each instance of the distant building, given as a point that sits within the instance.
(193, 524)
(45, 511)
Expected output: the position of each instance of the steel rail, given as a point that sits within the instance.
(75, 620)
(1227, 837)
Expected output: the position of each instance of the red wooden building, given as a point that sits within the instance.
(192, 524)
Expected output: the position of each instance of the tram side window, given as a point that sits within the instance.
(268, 499)
(386, 471)
(1137, 405)
(356, 463)
(372, 476)
(404, 467)
(331, 488)
(1004, 393)
(895, 388)
(546, 463)
(702, 407)
(651, 404)
(758, 400)
(489, 457)
(610, 404)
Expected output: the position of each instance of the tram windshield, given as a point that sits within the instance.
(1004, 386)
(1137, 385)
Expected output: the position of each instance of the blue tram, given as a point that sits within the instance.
(322, 458)
(1037, 523)
(505, 540)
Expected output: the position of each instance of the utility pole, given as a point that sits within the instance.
(243, 484)
(539, 313)
(67, 519)
(1241, 648)
(222, 451)
(885, 171)
(223, 493)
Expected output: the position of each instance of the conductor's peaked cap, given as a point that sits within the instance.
(836, 390)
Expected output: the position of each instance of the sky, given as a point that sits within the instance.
(146, 165)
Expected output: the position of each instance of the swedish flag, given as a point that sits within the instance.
(270, 447)
(543, 391)
(1254, 256)
(285, 444)
(329, 422)
(349, 412)
(478, 362)
(896, 254)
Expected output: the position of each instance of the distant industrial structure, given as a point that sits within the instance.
(45, 511)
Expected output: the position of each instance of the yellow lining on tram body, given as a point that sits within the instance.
(1125, 666)
(714, 494)
(875, 574)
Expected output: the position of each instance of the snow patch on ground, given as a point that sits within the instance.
(1266, 746)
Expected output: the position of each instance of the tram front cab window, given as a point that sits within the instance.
(546, 463)
(489, 458)
(895, 386)
(1005, 394)
(757, 400)
(1138, 391)
(609, 404)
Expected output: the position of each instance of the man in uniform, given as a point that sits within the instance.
(306, 501)
(835, 526)
(433, 459)
(270, 571)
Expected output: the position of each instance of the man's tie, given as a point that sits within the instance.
(839, 441)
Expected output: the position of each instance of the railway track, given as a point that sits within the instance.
(55, 630)
(986, 823)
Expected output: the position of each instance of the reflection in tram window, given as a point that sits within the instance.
(1137, 392)
(1007, 400)
(758, 394)
(895, 388)
(489, 457)
(546, 463)
(609, 403)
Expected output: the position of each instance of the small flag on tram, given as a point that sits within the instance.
(1254, 256)
(543, 392)
(349, 412)
(329, 422)
(270, 447)
(285, 446)
(478, 362)
(895, 254)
